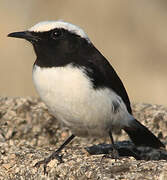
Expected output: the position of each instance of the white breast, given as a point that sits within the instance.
(69, 95)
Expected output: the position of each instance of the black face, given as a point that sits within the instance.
(56, 47)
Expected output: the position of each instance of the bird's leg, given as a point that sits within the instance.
(54, 155)
(114, 152)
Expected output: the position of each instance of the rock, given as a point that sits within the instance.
(28, 133)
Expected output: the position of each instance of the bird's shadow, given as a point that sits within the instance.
(127, 148)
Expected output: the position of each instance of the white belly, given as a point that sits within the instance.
(70, 97)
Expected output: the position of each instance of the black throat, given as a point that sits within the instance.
(63, 52)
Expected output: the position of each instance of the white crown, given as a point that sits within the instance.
(49, 25)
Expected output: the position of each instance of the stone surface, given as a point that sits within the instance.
(28, 133)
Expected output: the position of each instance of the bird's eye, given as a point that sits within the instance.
(56, 34)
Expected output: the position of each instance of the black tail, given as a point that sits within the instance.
(141, 136)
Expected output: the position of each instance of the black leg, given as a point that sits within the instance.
(55, 154)
(115, 153)
(112, 140)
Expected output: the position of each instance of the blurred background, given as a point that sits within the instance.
(131, 34)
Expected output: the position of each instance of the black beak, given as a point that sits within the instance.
(29, 36)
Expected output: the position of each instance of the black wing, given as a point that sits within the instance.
(103, 74)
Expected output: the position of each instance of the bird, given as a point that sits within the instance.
(80, 87)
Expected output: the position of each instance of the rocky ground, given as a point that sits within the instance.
(28, 133)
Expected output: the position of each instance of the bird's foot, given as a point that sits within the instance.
(113, 154)
(54, 155)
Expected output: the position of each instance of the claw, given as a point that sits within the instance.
(113, 154)
(54, 155)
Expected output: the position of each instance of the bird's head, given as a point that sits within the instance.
(55, 37)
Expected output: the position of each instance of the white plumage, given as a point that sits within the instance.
(69, 95)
